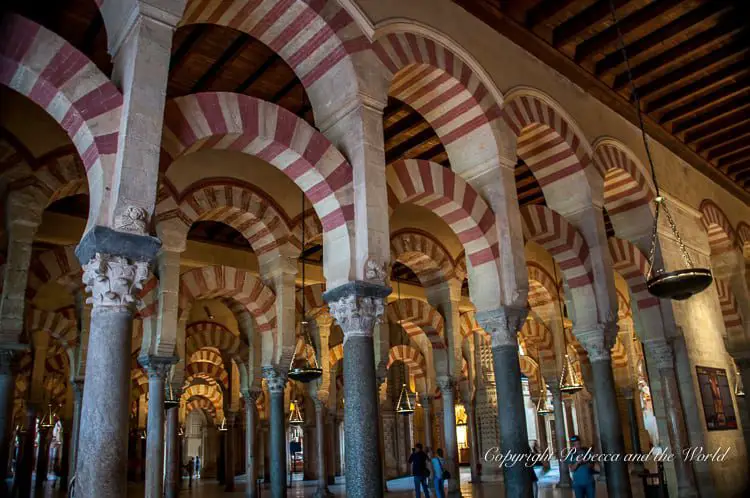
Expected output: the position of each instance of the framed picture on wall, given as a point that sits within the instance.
(717, 399)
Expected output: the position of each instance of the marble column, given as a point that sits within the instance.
(320, 437)
(114, 282)
(562, 440)
(229, 441)
(662, 352)
(471, 420)
(635, 438)
(157, 369)
(7, 385)
(357, 306)
(277, 440)
(77, 385)
(251, 467)
(42, 456)
(426, 402)
(173, 472)
(447, 388)
(598, 343)
(503, 325)
(543, 439)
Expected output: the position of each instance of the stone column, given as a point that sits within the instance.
(426, 401)
(320, 419)
(598, 343)
(663, 354)
(22, 481)
(471, 420)
(503, 325)
(447, 390)
(7, 385)
(277, 440)
(173, 477)
(562, 440)
(113, 282)
(569, 423)
(77, 385)
(541, 428)
(332, 446)
(251, 468)
(42, 456)
(635, 438)
(357, 306)
(157, 368)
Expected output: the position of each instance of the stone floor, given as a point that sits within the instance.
(396, 488)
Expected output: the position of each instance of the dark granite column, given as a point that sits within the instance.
(447, 388)
(157, 368)
(251, 467)
(426, 402)
(229, 451)
(357, 306)
(7, 385)
(277, 440)
(173, 477)
(598, 343)
(25, 459)
(661, 351)
(503, 325)
(113, 282)
(77, 385)
(320, 437)
(635, 439)
(562, 440)
(42, 456)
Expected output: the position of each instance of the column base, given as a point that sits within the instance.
(322, 493)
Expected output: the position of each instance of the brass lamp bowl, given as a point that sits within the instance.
(680, 284)
(305, 374)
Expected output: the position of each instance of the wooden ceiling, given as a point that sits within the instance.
(690, 62)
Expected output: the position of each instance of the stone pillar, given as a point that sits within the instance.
(251, 468)
(635, 438)
(357, 306)
(173, 477)
(598, 343)
(426, 401)
(157, 368)
(503, 325)
(229, 437)
(663, 354)
(277, 441)
(543, 439)
(23, 217)
(447, 390)
(471, 420)
(569, 423)
(560, 436)
(332, 448)
(320, 419)
(7, 385)
(77, 385)
(42, 456)
(113, 281)
(743, 404)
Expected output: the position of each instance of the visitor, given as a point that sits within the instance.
(534, 453)
(584, 485)
(197, 467)
(190, 467)
(438, 469)
(418, 461)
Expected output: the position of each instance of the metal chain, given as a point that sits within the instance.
(683, 249)
(652, 251)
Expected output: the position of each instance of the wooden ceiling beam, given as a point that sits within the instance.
(737, 89)
(239, 44)
(737, 47)
(255, 75)
(545, 10)
(605, 39)
(588, 17)
(737, 169)
(738, 143)
(641, 45)
(742, 154)
(179, 56)
(711, 121)
(738, 69)
(744, 175)
(724, 136)
(398, 151)
(676, 53)
(286, 89)
(410, 121)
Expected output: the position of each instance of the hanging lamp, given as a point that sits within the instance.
(404, 405)
(295, 417)
(543, 406)
(223, 426)
(301, 368)
(739, 388)
(678, 284)
(48, 420)
(570, 383)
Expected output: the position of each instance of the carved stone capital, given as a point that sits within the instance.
(132, 219)
(275, 380)
(447, 385)
(425, 400)
(251, 395)
(503, 324)
(662, 352)
(157, 367)
(357, 307)
(598, 341)
(114, 281)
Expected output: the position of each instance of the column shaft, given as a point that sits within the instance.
(277, 439)
(173, 473)
(76, 427)
(610, 428)
(557, 405)
(427, 413)
(251, 469)
(155, 436)
(229, 452)
(42, 456)
(635, 439)
(449, 434)
(7, 386)
(473, 441)
(320, 436)
(686, 486)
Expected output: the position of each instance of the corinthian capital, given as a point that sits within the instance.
(446, 385)
(114, 281)
(275, 380)
(357, 307)
(503, 324)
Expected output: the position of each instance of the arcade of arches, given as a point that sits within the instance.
(168, 168)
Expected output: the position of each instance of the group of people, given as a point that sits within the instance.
(193, 468)
(424, 465)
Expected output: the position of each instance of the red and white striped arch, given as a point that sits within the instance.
(552, 146)
(336, 354)
(721, 237)
(206, 356)
(210, 372)
(619, 354)
(55, 265)
(206, 406)
(411, 357)
(469, 325)
(313, 299)
(42, 66)
(61, 329)
(743, 236)
(418, 317)
(441, 86)
(316, 39)
(542, 287)
(440, 190)
(632, 264)
(729, 309)
(541, 337)
(241, 206)
(530, 368)
(223, 281)
(313, 228)
(212, 335)
(626, 183)
(424, 255)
